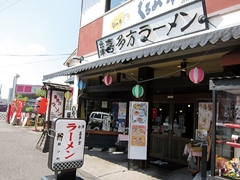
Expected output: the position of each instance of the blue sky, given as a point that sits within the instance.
(36, 27)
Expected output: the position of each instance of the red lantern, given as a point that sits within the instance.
(196, 75)
(41, 105)
(107, 80)
(154, 113)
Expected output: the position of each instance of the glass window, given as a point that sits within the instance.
(162, 113)
(102, 111)
(114, 3)
(160, 116)
(228, 134)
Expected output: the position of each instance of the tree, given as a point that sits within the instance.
(41, 93)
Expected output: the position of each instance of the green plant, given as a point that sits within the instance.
(41, 93)
(29, 109)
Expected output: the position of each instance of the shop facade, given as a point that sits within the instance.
(199, 37)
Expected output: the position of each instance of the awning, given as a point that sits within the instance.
(193, 40)
(225, 83)
(231, 61)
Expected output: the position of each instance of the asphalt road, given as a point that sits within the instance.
(20, 160)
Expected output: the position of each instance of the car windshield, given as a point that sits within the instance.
(97, 116)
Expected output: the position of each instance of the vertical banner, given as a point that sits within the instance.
(67, 145)
(138, 127)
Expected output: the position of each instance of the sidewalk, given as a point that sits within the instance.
(98, 165)
(108, 166)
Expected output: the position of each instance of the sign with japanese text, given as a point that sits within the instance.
(67, 144)
(137, 11)
(57, 104)
(182, 21)
(138, 127)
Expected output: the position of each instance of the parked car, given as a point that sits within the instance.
(100, 121)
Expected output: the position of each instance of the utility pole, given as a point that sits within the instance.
(14, 85)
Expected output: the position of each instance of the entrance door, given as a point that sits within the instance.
(182, 128)
(175, 122)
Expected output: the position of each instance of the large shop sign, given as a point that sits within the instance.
(181, 21)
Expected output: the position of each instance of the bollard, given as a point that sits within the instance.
(204, 162)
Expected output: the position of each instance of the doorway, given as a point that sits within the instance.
(175, 124)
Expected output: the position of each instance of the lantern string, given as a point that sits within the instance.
(117, 66)
(194, 65)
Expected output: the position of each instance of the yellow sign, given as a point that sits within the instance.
(119, 20)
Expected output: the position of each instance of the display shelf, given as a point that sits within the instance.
(232, 125)
(232, 144)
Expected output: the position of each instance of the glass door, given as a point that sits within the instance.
(172, 129)
(182, 120)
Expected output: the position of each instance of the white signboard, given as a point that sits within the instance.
(67, 149)
(176, 23)
(137, 11)
(138, 128)
(57, 103)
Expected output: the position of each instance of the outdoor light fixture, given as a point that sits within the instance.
(144, 39)
(80, 59)
(202, 19)
(183, 65)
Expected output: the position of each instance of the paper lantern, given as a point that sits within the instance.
(68, 95)
(137, 91)
(41, 105)
(196, 75)
(154, 113)
(107, 80)
(81, 85)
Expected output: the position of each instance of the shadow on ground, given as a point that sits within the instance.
(155, 171)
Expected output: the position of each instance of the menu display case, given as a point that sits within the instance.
(226, 152)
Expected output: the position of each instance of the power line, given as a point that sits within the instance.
(35, 55)
(9, 5)
(32, 62)
(4, 2)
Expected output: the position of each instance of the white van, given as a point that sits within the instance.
(100, 120)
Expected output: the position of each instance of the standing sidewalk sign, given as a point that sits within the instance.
(138, 127)
(66, 151)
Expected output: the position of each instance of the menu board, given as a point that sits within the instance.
(138, 127)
